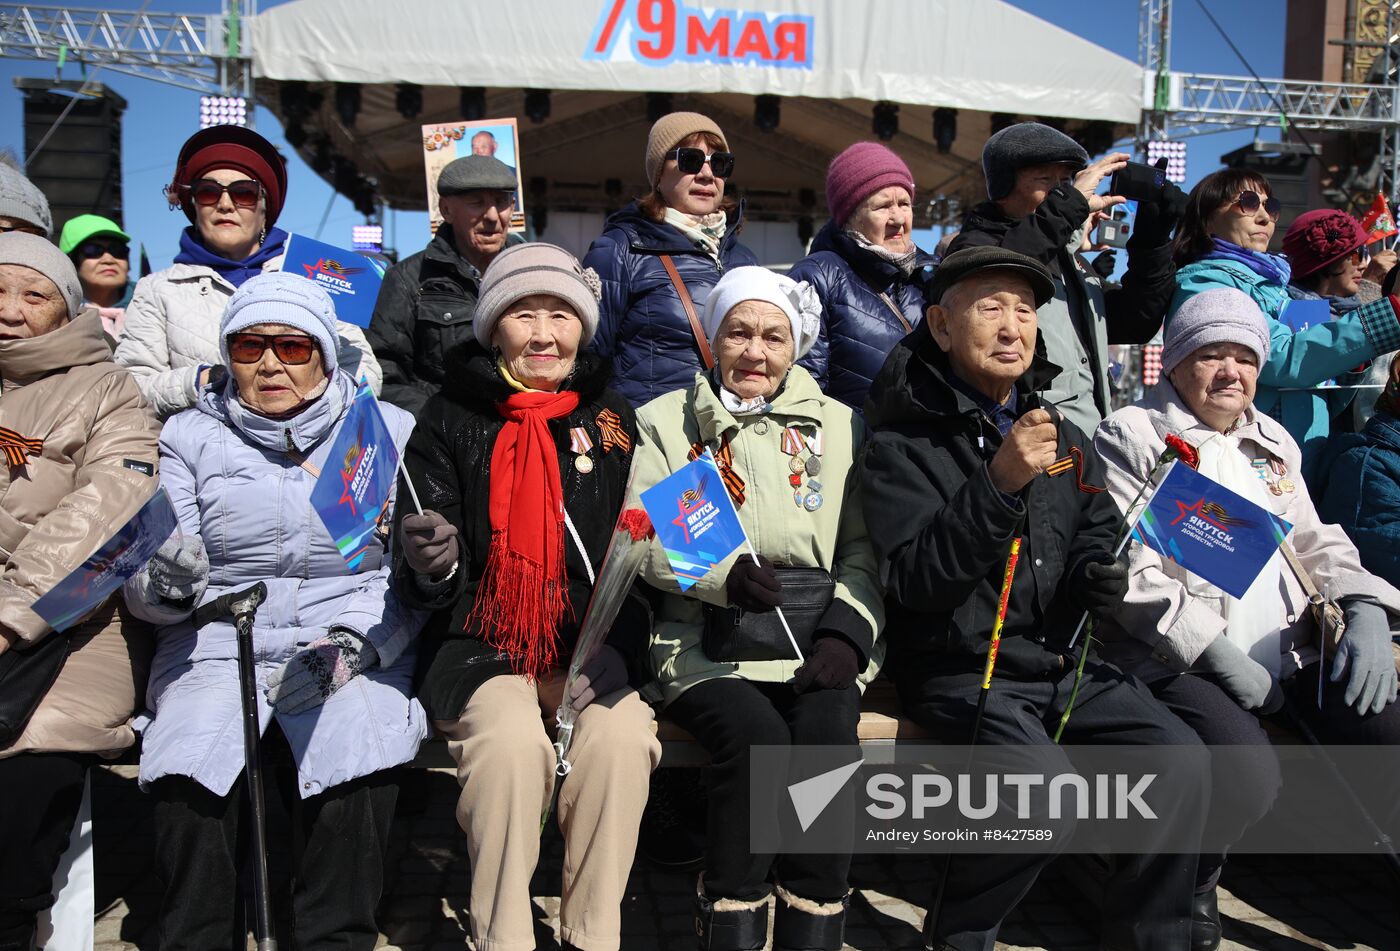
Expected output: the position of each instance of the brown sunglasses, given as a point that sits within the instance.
(292, 349)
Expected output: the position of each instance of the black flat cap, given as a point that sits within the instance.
(963, 264)
(474, 172)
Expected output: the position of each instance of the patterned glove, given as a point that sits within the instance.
(180, 568)
(319, 670)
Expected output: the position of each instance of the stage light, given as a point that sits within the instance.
(347, 102)
(945, 129)
(295, 133)
(540, 219)
(537, 104)
(473, 103)
(805, 230)
(367, 238)
(884, 120)
(409, 99)
(295, 98)
(658, 105)
(1174, 153)
(321, 157)
(612, 187)
(767, 112)
(222, 110)
(1096, 137)
(1001, 120)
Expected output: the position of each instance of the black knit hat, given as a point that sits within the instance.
(1021, 146)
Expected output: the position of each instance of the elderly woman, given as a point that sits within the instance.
(101, 251)
(231, 184)
(82, 456)
(866, 270)
(240, 468)
(22, 206)
(523, 460)
(1223, 241)
(659, 257)
(1217, 661)
(786, 452)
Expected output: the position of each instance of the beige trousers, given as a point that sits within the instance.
(505, 766)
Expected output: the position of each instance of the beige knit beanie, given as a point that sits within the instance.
(671, 130)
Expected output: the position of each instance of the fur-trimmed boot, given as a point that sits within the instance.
(802, 924)
(728, 924)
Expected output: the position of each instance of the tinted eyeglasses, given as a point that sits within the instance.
(244, 193)
(1249, 201)
(95, 249)
(691, 160)
(292, 349)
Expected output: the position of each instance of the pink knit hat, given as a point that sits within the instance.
(1319, 238)
(859, 172)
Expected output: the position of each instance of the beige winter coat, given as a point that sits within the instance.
(97, 467)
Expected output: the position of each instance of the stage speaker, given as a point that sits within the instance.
(79, 169)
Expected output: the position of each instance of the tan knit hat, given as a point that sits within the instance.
(534, 267)
(671, 130)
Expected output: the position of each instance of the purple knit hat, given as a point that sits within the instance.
(859, 172)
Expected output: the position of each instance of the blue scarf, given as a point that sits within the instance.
(235, 272)
(1341, 306)
(1272, 267)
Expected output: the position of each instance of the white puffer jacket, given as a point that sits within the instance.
(172, 329)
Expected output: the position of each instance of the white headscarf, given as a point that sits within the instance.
(797, 299)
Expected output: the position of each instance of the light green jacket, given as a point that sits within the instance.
(833, 537)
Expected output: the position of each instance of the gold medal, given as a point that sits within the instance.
(583, 464)
(796, 465)
(1287, 485)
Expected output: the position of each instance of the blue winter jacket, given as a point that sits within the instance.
(1302, 360)
(235, 486)
(642, 327)
(1363, 494)
(860, 294)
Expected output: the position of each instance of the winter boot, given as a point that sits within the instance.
(806, 925)
(1205, 922)
(728, 924)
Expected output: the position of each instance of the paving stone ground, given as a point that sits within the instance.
(1269, 903)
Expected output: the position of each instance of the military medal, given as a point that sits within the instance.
(814, 466)
(1286, 485)
(796, 465)
(581, 444)
(812, 502)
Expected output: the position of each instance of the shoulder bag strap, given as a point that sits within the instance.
(706, 356)
(898, 314)
(1331, 621)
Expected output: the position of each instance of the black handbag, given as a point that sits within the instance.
(732, 634)
(25, 676)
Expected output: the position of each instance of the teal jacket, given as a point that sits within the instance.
(1302, 360)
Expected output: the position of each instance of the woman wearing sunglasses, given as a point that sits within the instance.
(231, 184)
(335, 648)
(1223, 242)
(659, 257)
(101, 251)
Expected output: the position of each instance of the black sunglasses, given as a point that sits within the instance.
(95, 249)
(244, 193)
(691, 160)
(1249, 202)
(292, 349)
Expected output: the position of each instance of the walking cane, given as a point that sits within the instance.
(931, 919)
(243, 606)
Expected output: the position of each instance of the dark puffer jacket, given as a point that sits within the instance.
(941, 529)
(423, 313)
(449, 460)
(868, 306)
(643, 329)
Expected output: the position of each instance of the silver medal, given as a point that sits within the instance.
(583, 464)
(814, 466)
(812, 502)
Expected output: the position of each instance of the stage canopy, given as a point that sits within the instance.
(606, 64)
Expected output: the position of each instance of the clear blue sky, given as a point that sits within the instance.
(160, 117)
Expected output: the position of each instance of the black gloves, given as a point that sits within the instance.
(753, 587)
(1098, 581)
(1156, 220)
(1103, 264)
(831, 665)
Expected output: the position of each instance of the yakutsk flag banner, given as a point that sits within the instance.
(352, 493)
(1210, 531)
(350, 278)
(694, 519)
(110, 566)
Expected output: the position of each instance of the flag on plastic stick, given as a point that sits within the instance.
(353, 491)
(694, 519)
(1214, 533)
(1379, 222)
(108, 568)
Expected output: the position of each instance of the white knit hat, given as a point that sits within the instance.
(797, 299)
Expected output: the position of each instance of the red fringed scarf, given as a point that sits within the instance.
(524, 592)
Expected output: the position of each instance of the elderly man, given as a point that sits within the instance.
(1042, 189)
(426, 304)
(966, 456)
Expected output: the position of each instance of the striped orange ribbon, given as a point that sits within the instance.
(724, 458)
(612, 433)
(18, 448)
(1075, 461)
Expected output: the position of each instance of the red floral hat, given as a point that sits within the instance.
(1319, 238)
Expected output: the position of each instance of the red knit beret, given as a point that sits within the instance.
(231, 146)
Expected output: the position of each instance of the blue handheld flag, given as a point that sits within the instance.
(352, 493)
(694, 519)
(351, 279)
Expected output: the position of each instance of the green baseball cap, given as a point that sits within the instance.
(79, 229)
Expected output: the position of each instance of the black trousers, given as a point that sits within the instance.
(1253, 779)
(1147, 903)
(40, 794)
(727, 716)
(338, 844)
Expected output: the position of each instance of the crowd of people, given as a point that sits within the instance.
(887, 423)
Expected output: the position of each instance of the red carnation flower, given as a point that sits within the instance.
(1182, 450)
(636, 523)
